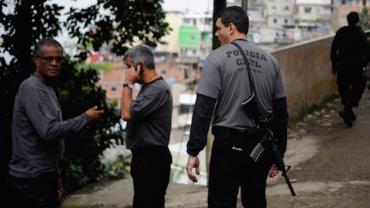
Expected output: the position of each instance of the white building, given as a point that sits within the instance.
(195, 37)
(311, 13)
(279, 13)
(190, 38)
(342, 7)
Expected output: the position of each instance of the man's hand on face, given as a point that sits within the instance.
(132, 74)
(93, 113)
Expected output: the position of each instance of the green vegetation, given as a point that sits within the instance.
(365, 18)
(118, 168)
(104, 67)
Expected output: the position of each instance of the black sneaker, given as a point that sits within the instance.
(346, 118)
(351, 115)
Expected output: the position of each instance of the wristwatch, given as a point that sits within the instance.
(127, 84)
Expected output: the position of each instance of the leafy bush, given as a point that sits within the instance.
(78, 91)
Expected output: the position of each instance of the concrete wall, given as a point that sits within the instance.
(307, 73)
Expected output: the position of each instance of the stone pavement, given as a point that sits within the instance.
(119, 194)
(330, 164)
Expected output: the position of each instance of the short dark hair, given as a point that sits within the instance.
(353, 18)
(46, 41)
(235, 15)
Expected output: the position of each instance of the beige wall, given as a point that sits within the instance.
(171, 45)
(307, 73)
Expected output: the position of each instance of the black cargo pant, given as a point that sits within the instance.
(351, 83)
(150, 170)
(39, 192)
(231, 168)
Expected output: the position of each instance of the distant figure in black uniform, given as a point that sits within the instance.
(348, 55)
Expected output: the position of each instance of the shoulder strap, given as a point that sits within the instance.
(251, 82)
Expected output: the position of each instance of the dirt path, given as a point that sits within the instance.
(338, 175)
(330, 163)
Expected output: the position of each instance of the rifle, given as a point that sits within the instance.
(267, 139)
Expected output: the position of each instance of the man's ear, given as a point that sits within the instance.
(142, 68)
(232, 28)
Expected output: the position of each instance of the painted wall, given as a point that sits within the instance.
(171, 44)
(307, 72)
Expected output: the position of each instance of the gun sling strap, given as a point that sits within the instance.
(259, 148)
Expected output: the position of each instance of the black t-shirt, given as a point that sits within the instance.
(151, 116)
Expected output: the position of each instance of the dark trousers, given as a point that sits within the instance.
(232, 169)
(351, 85)
(150, 170)
(39, 192)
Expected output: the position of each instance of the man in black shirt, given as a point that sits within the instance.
(349, 56)
(148, 127)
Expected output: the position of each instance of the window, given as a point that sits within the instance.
(307, 10)
(190, 52)
(185, 109)
(285, 21)
(275, 20)
(208, 21)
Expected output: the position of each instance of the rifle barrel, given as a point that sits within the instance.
(281, 166)
(291, 189)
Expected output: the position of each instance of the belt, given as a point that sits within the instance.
(147, 148)
(232, 131)
(236, 139)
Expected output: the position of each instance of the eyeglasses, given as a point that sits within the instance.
(50, 59)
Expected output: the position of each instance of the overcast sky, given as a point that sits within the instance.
(196, 6)
(313, 1)
(193, 6)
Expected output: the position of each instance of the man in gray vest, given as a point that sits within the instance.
(38, 131)
(223, 86)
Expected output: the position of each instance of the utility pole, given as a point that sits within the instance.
(245, 5)
(332, 6)
(334, 14)
(218, 5)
